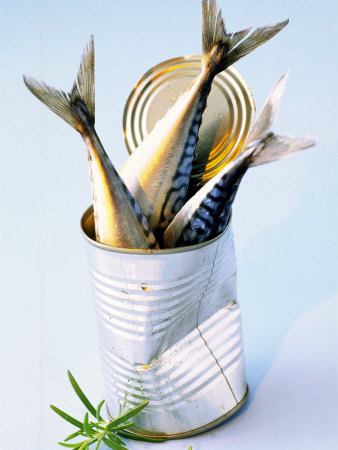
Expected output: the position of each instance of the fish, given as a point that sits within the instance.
(158, 172)
(206, 214)
(119, 221)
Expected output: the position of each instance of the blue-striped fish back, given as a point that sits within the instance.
(176, 195)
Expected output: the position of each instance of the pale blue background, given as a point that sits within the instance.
(285, 216)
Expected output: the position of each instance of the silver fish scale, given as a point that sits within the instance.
(175, 197)
(140, 217)
(211, 216)
(199, 229)
(170, 330)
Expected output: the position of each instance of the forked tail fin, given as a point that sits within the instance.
(220, 48)
(273, 147)
(83, 92)
(269, 146)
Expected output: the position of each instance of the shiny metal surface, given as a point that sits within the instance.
(170, 331)
(226, 120)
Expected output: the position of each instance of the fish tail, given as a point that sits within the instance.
(272, 148)
(266, 117)
(263, 146)
(220, 48)
(80, 102)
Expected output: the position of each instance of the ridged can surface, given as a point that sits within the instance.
(169, 331)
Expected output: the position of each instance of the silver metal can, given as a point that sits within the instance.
(169, 331)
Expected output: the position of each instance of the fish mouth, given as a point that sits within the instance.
(88, 231)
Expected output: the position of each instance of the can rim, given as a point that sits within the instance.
(137, 251)
(230, 80)
(194, 432)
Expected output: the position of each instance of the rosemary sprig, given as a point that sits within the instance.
(99, 431)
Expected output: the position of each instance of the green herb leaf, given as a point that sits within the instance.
(98, 426)
(122, 427)
(114, 437)
(72, 436)
(98, 444)
(77, 445)
(130, 413)
(86, 426)
(85, 445)
(81, 395)
(67, 417)
(98, 410)
(100, 431)
(113, 445)
(137, 437)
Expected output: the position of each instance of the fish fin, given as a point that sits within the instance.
(214, 31)
(213, 28)
(256, 38)
(57, 101)
(221, 48)
(84, 85)
(83, 89)
(239, 36)
(273, 147)
(267, 116)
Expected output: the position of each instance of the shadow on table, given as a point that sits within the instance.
(276, 289)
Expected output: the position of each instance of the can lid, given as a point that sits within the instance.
(226, 119)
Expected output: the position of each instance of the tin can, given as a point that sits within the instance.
(169, 331)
